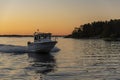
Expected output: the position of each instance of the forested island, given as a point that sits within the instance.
(99, 29)
(15, 35)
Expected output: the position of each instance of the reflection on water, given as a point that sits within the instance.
(84, 59)
(101, 60)
(42, 63)
(88, 60)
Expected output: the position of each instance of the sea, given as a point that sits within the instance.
(71, 59)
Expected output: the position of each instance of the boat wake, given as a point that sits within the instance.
(18, 49)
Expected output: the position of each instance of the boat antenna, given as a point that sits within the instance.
(37, 30)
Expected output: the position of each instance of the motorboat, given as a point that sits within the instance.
(43, 42)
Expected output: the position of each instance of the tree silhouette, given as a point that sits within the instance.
(99, 29)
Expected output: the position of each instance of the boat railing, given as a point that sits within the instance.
(54, 38)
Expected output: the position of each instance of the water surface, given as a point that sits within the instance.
(91, 59)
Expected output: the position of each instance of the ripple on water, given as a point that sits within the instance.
(77, 60)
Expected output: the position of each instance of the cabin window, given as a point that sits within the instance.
(35, 38)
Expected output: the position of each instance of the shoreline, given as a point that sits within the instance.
(26, 36)
(16, 35)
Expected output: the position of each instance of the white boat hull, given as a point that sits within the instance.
(41, 46)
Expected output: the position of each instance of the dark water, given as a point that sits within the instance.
(77, 60)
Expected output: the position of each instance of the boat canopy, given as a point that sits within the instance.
(41, 36)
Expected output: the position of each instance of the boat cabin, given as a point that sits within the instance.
(41, 36)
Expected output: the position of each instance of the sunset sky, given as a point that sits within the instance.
(55, 16)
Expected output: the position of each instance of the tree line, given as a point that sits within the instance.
(99, 29)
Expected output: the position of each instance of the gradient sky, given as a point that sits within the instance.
(56, 16)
